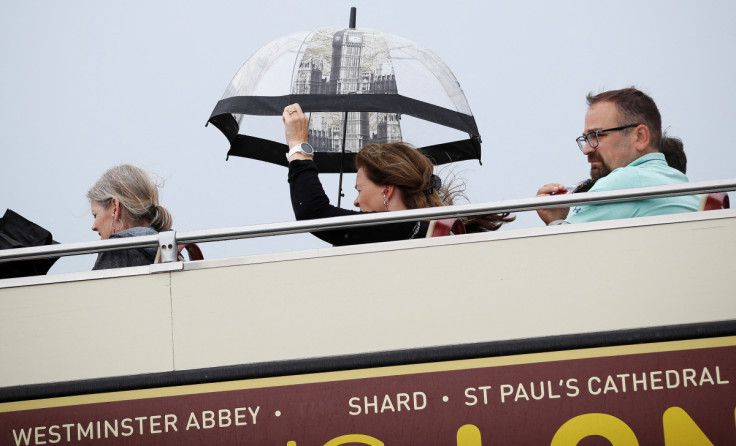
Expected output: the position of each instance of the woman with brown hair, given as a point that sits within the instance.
(390, 177)
(124, 203)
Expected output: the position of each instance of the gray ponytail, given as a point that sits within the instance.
(137, 192)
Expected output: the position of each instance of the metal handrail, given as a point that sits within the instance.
(326, 224)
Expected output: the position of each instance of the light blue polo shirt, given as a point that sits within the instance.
(648, 170)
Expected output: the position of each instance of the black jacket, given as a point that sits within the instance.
(309, 201)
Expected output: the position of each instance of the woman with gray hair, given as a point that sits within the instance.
(124, 203)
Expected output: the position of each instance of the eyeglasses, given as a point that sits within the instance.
(592, 137)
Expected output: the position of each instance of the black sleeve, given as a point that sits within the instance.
(309, 201)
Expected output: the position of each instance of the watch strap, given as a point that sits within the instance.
(297, 149)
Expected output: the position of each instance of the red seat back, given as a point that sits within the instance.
(718, 200)
(447, 226)
(192, 249)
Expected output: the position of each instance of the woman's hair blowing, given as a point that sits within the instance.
(406, 168)
(399, 165)
(137, 192)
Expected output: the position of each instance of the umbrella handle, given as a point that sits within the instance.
(342, 156)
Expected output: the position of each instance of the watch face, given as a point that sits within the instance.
(307, 148)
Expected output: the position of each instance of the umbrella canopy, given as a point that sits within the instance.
(356, 84)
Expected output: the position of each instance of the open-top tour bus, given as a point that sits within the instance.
(616, 332)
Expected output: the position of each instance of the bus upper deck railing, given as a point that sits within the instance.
(169, 239)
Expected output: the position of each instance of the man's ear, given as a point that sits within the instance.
(643, 138)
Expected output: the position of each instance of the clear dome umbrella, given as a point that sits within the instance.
(359, 86)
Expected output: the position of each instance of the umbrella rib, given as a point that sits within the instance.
(297, 61)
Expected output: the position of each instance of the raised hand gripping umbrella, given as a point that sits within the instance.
(357, 84)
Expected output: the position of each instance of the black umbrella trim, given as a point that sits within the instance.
(329, 162)
(381, 103)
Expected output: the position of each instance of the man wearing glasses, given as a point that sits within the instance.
(623, 132)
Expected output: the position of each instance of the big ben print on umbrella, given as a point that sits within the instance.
(359, 86)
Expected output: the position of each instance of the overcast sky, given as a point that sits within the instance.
(86, 85)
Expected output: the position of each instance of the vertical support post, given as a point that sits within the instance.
(167, 245)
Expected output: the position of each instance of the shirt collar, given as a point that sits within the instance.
(648, 157)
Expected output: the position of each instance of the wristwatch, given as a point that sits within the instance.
(303, 147)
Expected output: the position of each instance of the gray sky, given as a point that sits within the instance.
(86, 85)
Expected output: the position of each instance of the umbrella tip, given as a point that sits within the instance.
(352, 17)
